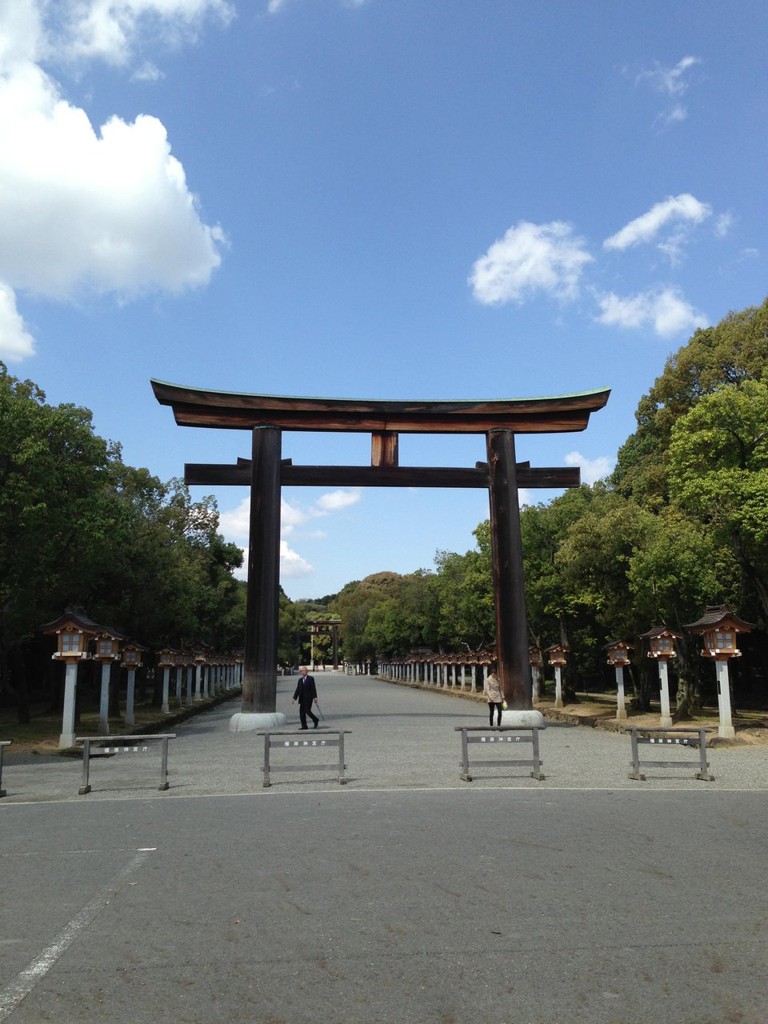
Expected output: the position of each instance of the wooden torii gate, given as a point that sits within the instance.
(267, 416)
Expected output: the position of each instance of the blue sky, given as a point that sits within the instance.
(377, 199)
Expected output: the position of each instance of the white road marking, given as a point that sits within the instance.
(22, 985)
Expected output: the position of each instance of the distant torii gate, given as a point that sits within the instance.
(266, 416)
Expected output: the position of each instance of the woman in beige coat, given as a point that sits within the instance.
(494, 696)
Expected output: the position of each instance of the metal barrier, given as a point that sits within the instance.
(319, 740)
(3, 743)
(693, 739)
(495, 736)
(132, 745)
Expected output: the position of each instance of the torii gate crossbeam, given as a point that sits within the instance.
(267, 416)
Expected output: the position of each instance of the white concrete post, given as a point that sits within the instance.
(198, 682)
(558, 686)
(621, 708)
(106, 668)
(179, 674)
(725, 728)
(666, 714)
(534, 685)
(166, 689)
(129, 697)
(67, 738)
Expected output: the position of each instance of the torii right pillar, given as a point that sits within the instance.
(508, 581)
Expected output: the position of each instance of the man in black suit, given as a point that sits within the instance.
(306, 695)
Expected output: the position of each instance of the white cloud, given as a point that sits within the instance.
(665, 310)
(148, 72)
(723, 224)
(673, 115)
(16, 343)
(86, 210)
(334, 501)
(277, 5)
(111, 29)
(669, 81)
(528, 259)
(292, 564)
(672, 83)
(591, 469)
(234, 525)
(677, 210)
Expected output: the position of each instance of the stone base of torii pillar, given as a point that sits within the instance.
(523, 718)
(249, 721)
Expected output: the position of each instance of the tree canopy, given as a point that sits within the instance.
(79, 527)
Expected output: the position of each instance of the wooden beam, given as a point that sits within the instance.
(197, 407)
(222, 475)
(384, 448)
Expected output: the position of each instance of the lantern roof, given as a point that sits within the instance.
(134, 645)
(662, 630)
(75, 617)
(719, 615)
(619, 643)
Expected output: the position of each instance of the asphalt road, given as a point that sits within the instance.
(390, 900)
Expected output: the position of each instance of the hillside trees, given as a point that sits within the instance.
(78, 526)
(387, 614)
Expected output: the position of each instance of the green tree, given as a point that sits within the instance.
(405, 620)
(354, 604)
(718, 458)
(733, 351)
(464, 589)
(77, 526)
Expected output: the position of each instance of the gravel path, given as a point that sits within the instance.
(399, 738)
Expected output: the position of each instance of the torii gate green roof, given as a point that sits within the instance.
(200, 407)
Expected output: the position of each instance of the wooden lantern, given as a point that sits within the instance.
(618, 653)
(166, 658)
(131, 655)
(661, 642)
(720, 628)
(107, 648)
(557, 654)
(73, 631)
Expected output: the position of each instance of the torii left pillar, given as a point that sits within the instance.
(508, 583)
(262, 603)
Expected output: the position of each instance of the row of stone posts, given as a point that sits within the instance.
(458, 672)
(718, 627)
(200, 674)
